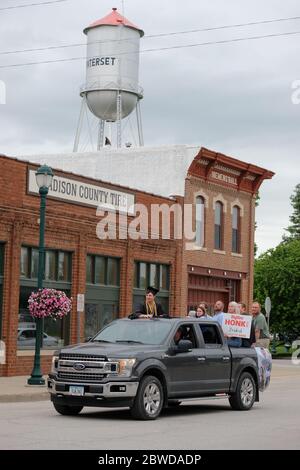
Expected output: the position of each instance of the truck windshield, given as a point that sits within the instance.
(139, 332)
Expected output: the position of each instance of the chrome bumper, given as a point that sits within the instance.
(125, 389)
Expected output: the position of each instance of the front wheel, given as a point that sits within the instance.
(245, 393)
(67, 410)
(149, 400)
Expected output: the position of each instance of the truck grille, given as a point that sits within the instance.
(80, 376)
(81, 357)
(84, 368)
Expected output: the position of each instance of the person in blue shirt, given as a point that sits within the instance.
(219, 312)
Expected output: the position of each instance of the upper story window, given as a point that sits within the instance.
(58, 264)
(236, 230)
(219, 225)
(200, 221)
(102, 270)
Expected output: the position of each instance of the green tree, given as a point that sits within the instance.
(294, 228)
(277, 275)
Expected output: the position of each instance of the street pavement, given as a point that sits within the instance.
(273, 423)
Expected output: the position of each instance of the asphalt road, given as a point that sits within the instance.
(273, 423)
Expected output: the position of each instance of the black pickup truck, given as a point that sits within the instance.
(150, 364)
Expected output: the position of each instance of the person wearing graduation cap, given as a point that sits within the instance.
(150, 308)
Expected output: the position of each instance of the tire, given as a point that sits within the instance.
(244, 396)
(67, 410)
(149, 400)
(173, 403)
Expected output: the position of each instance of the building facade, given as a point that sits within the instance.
(98, 246)
(111, 273)
(218, 263)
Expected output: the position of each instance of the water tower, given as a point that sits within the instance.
(111, 91)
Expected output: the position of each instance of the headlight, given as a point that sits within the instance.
(124, 366)
(54, 364)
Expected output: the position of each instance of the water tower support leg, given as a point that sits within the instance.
(100, 134)
(139, 124)
(79, 126)
(119, 117)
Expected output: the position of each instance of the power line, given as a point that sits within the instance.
(32, 4)
(237, 25)
(209, 43)
(174, 33)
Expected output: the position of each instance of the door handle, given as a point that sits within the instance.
(201, 359)
(225, 358)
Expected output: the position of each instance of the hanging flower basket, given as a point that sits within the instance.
(49, 303)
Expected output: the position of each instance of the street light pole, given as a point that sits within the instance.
(44, 177)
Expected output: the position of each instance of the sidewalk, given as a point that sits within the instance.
(15, 389)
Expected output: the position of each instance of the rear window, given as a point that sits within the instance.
(210, 334)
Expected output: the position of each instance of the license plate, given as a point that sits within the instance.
(76, 390)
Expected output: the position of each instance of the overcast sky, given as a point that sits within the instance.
(233, 98)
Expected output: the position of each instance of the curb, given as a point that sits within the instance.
(24, 398)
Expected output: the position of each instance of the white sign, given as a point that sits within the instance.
(237, 325)
(75, 191)
(268, 306)
(2, 352)
(80, 302)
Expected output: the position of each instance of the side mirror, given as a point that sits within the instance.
(183, 346)
(87, 340)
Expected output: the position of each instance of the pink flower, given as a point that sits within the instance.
(49, 303)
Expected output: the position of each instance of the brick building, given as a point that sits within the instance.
(113, 273)
(219, 264)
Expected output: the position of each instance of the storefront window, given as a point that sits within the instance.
(164, 277)
(50, 265)
(34, 263)
(143, 276)
(150, 274)
(57, 276)
(103, 270)
(100, 270)
(57, 264)
(24, 261)
(113, 272)
(64, 265)
(55, 334)
(89, 269)
(153, 278)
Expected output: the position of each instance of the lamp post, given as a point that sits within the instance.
(44, 176)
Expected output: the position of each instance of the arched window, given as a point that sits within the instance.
(200, 221)
(219, 226)
(236, 230)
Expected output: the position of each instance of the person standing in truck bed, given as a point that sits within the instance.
(150, 308)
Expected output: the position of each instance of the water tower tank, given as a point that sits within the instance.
(113, 45)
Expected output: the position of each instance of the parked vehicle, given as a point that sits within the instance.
(136, 364)
(26, 338)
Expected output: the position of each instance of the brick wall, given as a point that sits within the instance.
(214, 259)
(68, 227)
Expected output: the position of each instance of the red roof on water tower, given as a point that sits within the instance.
(113, 19)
